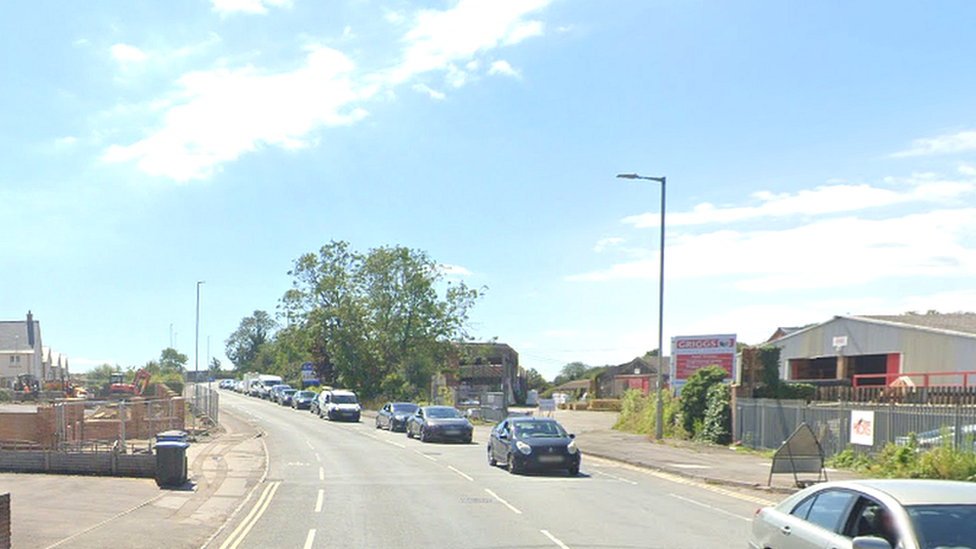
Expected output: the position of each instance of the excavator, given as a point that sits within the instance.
(27, 387)
(118, 388)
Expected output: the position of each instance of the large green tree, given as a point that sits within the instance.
(244, 345)
(386, 317)
(171, 360)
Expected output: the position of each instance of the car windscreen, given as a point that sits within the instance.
(539, 429)
(944, 525)
(404, 408)
(344, 399)
(306, 394)
(272, 383)
(443, 413)
(288, 391)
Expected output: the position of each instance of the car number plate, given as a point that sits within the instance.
(550, 459)
(453, 431)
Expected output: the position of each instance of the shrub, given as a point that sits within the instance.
(605, 404)
(694, 395)
(717, 423)
(637, 414)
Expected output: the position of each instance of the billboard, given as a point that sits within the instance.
(691, 353)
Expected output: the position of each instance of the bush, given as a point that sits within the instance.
(717, 424)
(694, 395)
(637, 414)
(6, 395)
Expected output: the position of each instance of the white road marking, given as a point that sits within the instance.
(321, 473)
(706, 506)
(614, 477)
(425, 455)
(318, 502)
(318, 458)
(309, 444)
(310, 538)
(552, 538)
(460, 473)
(397, 444)
(503, 502)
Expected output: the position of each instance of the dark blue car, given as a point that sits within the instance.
(533, 444)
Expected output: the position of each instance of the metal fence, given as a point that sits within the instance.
(204, 402)
(766, 423)
(93, 425)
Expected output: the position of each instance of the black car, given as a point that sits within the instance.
(285, 396)
(302, 400)
(533, 444)
(439, 423)
(394, 415)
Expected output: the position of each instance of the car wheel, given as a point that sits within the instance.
(467, 439)
(574, 470)
(492, 462)
(378, 423)
(409, 434)
(423, 434)
(512, 468)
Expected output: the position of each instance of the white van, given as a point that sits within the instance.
(265, 383)
(340, 404)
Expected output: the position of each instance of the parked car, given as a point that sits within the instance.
(533, 444)
(339, 404)
(285, 396)
(275, 390)
(302, 400)
(875, 514)
(430, 423)
(394, 415)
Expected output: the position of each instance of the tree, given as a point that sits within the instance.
(214, 366)
(243, 346)
(171, 360)
(535, 381)
(375, 318)
(571, 372)
(694, 396)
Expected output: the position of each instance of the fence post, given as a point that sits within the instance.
(957, 430)
(122, 423)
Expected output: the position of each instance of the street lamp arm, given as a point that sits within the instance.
(660, 180)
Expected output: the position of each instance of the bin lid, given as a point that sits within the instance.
(173, 444)
(174, 434)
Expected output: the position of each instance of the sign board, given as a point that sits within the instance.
(691, 353)
(800, 453)
(862, 428)
(547, 406)
(308, 373)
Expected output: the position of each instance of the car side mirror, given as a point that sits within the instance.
(502, 436)
(869, 542)
(572, 435)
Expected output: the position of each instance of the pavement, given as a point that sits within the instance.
(225, 470)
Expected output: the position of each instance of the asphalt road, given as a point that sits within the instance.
(349, 485)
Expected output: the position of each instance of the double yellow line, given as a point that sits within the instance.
(252, 518)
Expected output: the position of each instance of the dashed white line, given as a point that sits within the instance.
(503, 502)
(553, 539)
(397, 444)
(706, 506)
(318, 502)
(309, 444)
(318, 458)
(460, 473)
(321, 473)
(425, 455)
(310, 539)
(614, 477)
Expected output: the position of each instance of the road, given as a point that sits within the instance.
(349, 485)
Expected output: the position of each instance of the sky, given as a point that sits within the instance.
(820, 160)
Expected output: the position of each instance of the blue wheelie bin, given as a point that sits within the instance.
(171, 463)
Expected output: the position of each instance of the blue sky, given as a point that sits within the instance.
(820, 156)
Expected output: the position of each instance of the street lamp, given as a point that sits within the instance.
(659, 412)
(196, 344)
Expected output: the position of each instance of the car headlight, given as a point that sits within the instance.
(523, 447)
(571, 447)
(399, 418)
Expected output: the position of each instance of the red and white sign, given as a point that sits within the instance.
(691, 353)
(862, 427)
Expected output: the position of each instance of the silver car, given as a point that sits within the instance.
(871, 514)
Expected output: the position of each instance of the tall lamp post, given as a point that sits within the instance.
(659, 411)
(196, 357)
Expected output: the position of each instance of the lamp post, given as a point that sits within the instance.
(659, 412)
(196, 357)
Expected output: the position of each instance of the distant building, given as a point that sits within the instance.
(21, 351)
(880, 349)
(640, 374)
(488, 367)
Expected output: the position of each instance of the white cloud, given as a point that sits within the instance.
(225, 7)
(222, 113)
(821, 200)
(441, 38)
(502, 67)
(125, 53)
(605, 243)
(434, 94)
(967, 169)
(964, 141)
(65, 142)
(393, 17)
(455, 270)
(829, 253)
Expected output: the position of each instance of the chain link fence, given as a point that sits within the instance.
(204, 402)
(766, 423)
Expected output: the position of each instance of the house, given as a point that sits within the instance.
(488, 367)
(922, 349)
(21, 351)
(640, 373)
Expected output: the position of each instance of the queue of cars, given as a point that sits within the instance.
(521, 444)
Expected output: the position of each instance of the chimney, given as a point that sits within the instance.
(30, 329)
